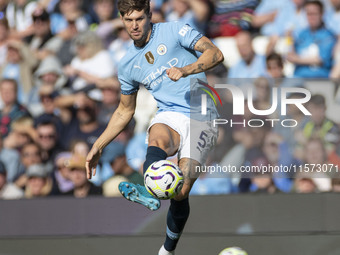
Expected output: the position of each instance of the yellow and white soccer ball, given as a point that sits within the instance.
(233, 251)
(163, 179)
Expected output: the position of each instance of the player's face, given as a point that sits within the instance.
(137, 24)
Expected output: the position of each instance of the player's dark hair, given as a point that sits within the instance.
(315, 2)
(128, 6)
(275, 57)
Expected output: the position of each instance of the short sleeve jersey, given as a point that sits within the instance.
(171, 45)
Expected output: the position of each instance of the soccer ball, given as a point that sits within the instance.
(163, 179)
(233, 251)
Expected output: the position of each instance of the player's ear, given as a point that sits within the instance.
(150, 15)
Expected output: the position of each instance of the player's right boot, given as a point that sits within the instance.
(139, 194)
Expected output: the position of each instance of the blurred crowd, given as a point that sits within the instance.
(59, 88)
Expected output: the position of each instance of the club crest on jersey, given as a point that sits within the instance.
(161, 50)
(149, 57)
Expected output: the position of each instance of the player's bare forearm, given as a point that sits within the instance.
(211, 57)
(120, 118)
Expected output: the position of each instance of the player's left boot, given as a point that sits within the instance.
(139, 194)
(163, 251)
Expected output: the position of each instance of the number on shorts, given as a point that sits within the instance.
(202, 137)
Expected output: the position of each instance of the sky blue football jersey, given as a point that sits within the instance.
(171, 45)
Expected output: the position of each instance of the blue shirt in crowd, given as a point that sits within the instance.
(255, 69)
(310, 43)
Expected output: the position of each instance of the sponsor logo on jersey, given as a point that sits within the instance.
(184, 30)
(161, 50)
(154, 78)
(149, 57)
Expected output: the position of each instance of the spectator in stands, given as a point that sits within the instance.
(278, 154)
(92, 61)
(50, 72)
(120, 45)
(158, 15)
(265, 15)
(274, 64)
(212, 184)
(304, 184)
(82, 187)
(121, 169)
(105, 10)
(83, 124)
(80, 147)
(262, 183)
(48, 141)
(319, 125)
(8, 190)
(194, 13)
(280, 18)
(41, 42)
(49, 112)
(111, 97)
(48, 77)
(231, 17)
(107, 20)
(19, 16)
(251, 138)
(19, 66)
(4, 34)
(22, 132)
(292, 136)
(39, 184)
(11, 158)
(334, 156)
(251, 65)
(120, 166)
(316, 155)
(262, 94)
(275, 70)
(30, 155)
(313, 47)
(61, 174)
(70, 13)
(332, 15)
(336, 185)
(66, 51)
(12, 109)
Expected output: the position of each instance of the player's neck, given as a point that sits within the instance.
(144, 40)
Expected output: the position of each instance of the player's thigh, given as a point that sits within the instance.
(164, 137)
(189, 169)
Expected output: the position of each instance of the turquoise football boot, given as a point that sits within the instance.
(139, 194)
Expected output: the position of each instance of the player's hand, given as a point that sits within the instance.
(92, 161)
(175, 73)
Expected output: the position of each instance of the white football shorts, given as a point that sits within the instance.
(196, 138)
